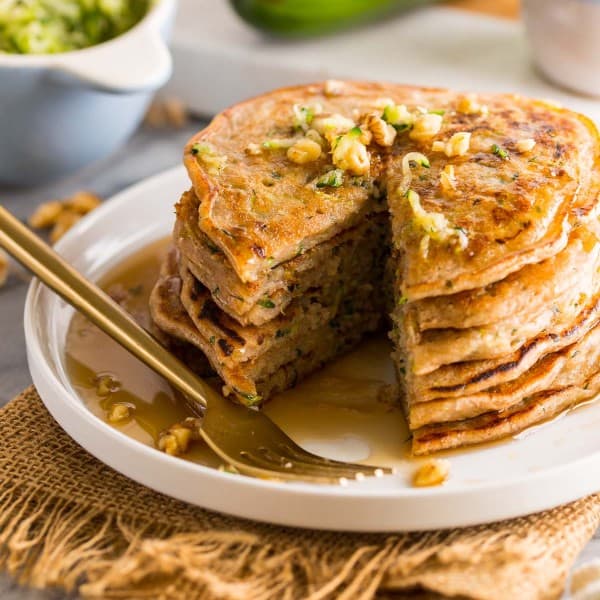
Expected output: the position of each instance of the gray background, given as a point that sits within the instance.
(148, 152)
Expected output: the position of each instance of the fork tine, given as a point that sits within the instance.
(297, 473)
(295, 458)
(255, 445)
(341, 472)
(295, 466)
(300, 455)
(277, 471)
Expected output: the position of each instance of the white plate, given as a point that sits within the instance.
(555, 464)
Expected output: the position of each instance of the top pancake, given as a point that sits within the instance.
(515, 209)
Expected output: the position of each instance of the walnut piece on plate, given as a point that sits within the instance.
(431, 473)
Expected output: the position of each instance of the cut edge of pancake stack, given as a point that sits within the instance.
(490, 273)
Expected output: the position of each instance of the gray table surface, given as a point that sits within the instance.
(147, 153)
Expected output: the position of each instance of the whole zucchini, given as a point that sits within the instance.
(295, 18)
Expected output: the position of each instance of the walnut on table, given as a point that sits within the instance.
(60, 215)
(46, 214)
(65, 220)
(166, 113)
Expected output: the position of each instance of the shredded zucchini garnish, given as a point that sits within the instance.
(250, 399)
(279, 143)
(416, 158)
(207, 154)
(303, 116)
(333, 178)
(332, 125)
(398, 116)
(500, 152)
(350, 154)
(409, 159)
(435, 225)
(266, 303)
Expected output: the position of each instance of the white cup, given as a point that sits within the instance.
(565, 40)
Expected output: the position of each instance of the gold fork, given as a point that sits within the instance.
(243, 437)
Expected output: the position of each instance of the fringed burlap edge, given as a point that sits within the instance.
(52, 536)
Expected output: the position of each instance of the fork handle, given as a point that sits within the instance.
(97, 306)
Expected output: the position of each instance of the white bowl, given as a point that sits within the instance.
(555, 464)
(59, 112)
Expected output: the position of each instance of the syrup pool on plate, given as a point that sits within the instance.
(344, 411)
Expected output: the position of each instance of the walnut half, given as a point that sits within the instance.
(433, 472)
(176, 440)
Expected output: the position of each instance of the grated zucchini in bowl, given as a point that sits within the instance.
(53, 26)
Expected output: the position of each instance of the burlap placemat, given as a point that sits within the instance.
(68, 521)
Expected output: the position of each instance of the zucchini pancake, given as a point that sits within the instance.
(465, 225)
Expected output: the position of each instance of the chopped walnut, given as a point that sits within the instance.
(448, 179)
(45, 214)
(330, 126)
(155, 116)
(304, 114)
(433, 472)
(381, 103)
(119, 413)
(253, 149)
(175, 442)
(176, 112)
(426, 126)
(304, 151)
(469, 105)
(106, 384)
(64, 222)
(526, 145)
(176, 439)
(315, 136)
(365, 137)
(457, 145)
(384, 134)
(83, 202)
(61, 215)
(350, 154)
(334, 87)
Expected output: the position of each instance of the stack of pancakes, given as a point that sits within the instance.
(485, 255)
